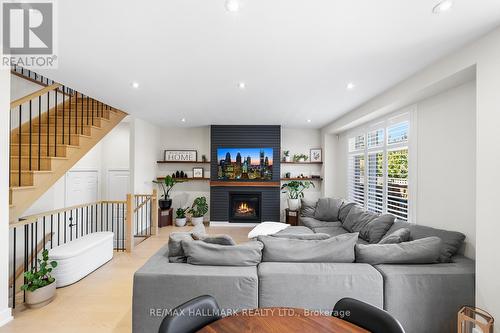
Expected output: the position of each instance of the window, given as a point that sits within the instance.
(378, 172)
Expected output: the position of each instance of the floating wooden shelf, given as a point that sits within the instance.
(315, 163)
(303, 178)
(186, 179)
(182, 162)
(244, 184)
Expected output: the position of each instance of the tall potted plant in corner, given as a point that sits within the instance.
(166, 185)
(295, 190)
(40, 286)
(198, 210)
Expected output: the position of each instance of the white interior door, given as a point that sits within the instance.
(81, 187)
(118, 184)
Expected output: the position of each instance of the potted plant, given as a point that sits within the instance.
(166, 185)
(300, 158)
(295, 190)
(40, 286)
(180, 217)
(286, 155)
(198, 210)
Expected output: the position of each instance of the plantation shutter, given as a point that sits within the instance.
(375, 200)
(357, 178)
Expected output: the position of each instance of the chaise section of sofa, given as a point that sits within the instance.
(426, 298)
(160, 286)
(317, 286)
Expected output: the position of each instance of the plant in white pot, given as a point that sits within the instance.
(198, 210)
(180, 217)
(295, 190)
(286, 156)
(40, 286)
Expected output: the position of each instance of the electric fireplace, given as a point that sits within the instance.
(245, 207)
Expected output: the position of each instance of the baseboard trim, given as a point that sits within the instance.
(231, 224)
(5, 316)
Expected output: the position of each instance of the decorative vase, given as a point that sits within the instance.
(293, 204)
(165, 203)
(196, 220)
(41, 296)
(288, 159)
(180, 221)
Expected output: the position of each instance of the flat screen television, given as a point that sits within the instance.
(245, 164)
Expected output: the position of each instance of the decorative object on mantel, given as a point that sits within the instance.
(182, 174)
(166, 185)
(180, 155)
(286, 156)
(288, 175)
(300, 157)
(198, 173)
(316, 155)
(203, 158)
(40, 286)
(180, 217)
(474, 320)
(315, 176)
(198, 210)
(295, 190)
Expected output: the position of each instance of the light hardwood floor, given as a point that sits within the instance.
(102, 301)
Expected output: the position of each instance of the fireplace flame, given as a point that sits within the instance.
(244, 208)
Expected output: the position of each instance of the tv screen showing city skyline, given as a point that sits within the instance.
(244, 163)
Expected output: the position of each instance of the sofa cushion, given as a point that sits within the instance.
(175, 251)
(160, 285)
(334, 249)
(201, 253)
(294, 230)
(357, 218)
(214, 239)
(317, 286)
(311, 222)
(332, 231)
(345, 209)
(327, 209)
(398, 236)
(313, 236)
(452, 240)
(374, 230)
(420, 251)
(307, 207)
(427, 297)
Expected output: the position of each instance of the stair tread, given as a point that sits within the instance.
(41, 157)
(22, 188)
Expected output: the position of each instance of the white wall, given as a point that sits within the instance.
(482, 55)
(300, 141)
(144, 152)
(5, 311)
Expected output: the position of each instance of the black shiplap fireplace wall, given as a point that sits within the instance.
(245, 136)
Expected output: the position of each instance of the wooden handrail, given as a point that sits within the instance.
(33, 218)
(33, 95)
(142, 204)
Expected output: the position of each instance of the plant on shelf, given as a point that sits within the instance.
(286, 156)
(40, 286)
(299, 158)
(295, 190)
(166, 185)
(198, 210)
(180, 217)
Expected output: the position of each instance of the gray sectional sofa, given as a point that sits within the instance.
(423, 297)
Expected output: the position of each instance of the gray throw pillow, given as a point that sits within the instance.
(338, 249)
(317, 236)
(452, 241)
(345, 209)
(398, 236)
(376, 228)
(420, 251)
(214, 239)
(327, 209)
(201, 253)
(175, 251)
(357, 218)
(307, 208)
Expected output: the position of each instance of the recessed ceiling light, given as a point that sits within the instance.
(442, 6)
(135, 85)
(242, 85)
(309, 120)
(350, 86)
(232, 6)
(183, 120)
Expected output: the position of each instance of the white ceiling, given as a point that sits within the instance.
(295, 56)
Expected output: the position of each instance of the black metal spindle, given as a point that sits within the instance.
(58, 228)
(112, 217)
(69, 123)
(25, 255)
(51, 231)
(87, 110)
(31, 242)
(30, 131)
(81, 129)
(76, 217)
(63, 113)
(39, 127)
(20, 141)
(43, 226)
(55, 128)
(71, 225)
(65, 227)
(48, 124)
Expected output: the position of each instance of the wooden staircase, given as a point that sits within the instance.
(49, 143)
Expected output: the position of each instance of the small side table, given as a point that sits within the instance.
(165, 217)
(292, 217)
